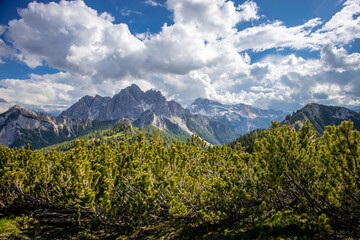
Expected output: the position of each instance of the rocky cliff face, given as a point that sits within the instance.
(144, 108)
(129, 103)
(19, 126)
(87, 108)
(240, 118)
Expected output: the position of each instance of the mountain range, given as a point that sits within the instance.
(149, 107)
(215, 122)
(240, 118)
(19, 126)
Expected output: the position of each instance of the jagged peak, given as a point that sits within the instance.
(133, 87)
(133, 91)
(86, 98)
(155, 94)
(18, 108)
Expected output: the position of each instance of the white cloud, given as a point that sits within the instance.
(338, 59)
(276, 35)
(248, 11)
(344, 26)
(2, 29)
(47, 96)
(216, 18)
(202, 54)
(128, 12)
(5, 50)
(70, 36)
(153, 3)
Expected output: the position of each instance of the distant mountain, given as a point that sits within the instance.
(129, 103)
(321, 116)
(19, 126)
(149, 107)
(240, 118)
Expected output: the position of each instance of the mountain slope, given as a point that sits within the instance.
(149, 107)
(321, 116)
(240, 118)
(19, 127)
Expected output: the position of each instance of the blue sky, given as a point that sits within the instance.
(276, 54)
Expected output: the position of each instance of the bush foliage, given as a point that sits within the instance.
(291, 177)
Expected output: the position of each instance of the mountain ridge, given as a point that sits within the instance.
(149, 107)
(19, 126)
(211, 120)
(320, 116)
(240, 118)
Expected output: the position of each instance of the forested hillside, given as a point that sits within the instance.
(292, 185)
(248, 140)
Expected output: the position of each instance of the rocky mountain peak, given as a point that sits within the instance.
(132, 92)
(129, 103)
(320, 116)
(15, 107)
(134, 87)
(16, 110)
(155, 97)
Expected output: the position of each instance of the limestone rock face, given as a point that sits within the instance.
(144, 108)
(19, 126)
(129, 103)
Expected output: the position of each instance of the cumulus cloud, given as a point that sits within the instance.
(70, 36)
(343, 27)
(42, 93)
(337, 59)
(214, 17)
(202, 54)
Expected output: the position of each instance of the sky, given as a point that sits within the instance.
(276, 54)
